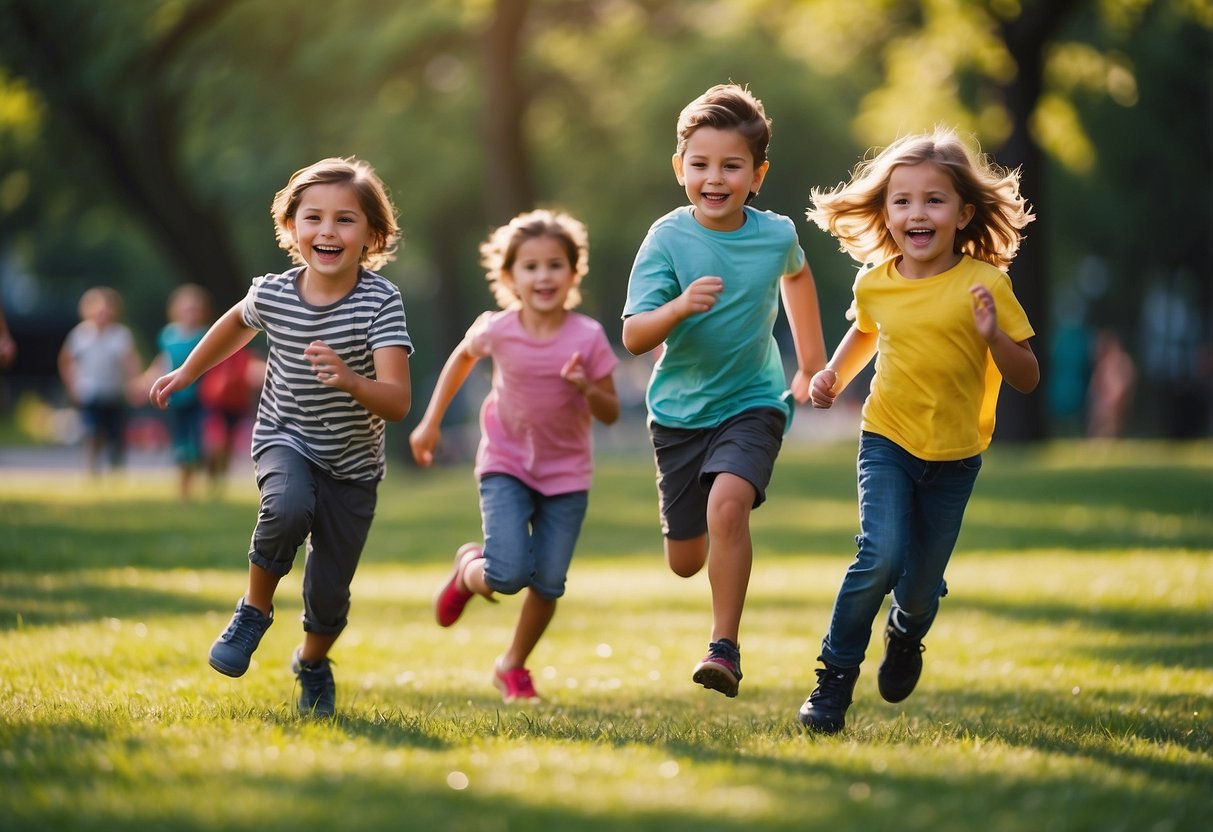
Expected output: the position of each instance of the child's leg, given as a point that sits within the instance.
(340, 525)
(686, 557)
(887, 476)
(261, 587)
(533, 620)
(729, 505)
(942, 497)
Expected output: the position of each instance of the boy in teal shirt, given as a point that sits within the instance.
(706, 284)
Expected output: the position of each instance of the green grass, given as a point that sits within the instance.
(1068, 680)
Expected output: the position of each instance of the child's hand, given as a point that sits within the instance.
(800, 385)
(985, 316)
(574, 373)
(821, 388)
(700, 296)
(164, 387)
(327, 366)
(422, 441)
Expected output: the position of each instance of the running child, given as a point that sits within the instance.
(337, 369)
(941, 223)
(552, 375)
(706, 285)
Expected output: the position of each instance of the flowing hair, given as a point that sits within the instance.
(498, 252)
(854, 211)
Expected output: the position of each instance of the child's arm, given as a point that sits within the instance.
(1015, 359)
(600, 394)
(646, 330)
(225, 336)
(804, 318)
(388, 395)
(425, 436)
(854, 352)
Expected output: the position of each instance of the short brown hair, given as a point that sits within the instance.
(727, 107)
(372, 197)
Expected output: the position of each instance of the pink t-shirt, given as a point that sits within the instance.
(534, 425)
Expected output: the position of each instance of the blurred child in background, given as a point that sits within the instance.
(97, 362)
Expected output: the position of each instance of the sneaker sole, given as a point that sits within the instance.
(830, 727)
(227, 669)
(714, 677)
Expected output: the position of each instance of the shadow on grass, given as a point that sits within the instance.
(1171, 637)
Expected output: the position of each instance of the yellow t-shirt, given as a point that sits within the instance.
(936, 386)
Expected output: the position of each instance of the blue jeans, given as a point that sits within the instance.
(528, 537)
(910, 512)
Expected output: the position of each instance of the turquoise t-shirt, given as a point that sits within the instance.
(176, 343)
(724, 361)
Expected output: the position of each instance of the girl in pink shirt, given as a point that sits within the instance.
(551, 376)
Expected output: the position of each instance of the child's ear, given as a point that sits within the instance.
(760, 174)
(677, 162)
(966, 216)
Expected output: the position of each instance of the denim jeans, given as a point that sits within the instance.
(910, 512)
(528, 537)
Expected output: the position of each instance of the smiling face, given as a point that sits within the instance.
(717, 170)
(331, 231)
(542, 276)
(923, 212)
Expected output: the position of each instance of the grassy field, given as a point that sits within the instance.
(1068, 681)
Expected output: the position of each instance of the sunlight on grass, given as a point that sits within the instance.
(1067, 681)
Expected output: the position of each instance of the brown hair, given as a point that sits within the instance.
(372, 197)
(727, 107)
(498, 252)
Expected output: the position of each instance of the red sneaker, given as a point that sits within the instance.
(452, 598)
(515, 684)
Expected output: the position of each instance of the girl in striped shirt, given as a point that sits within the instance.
(337, 369)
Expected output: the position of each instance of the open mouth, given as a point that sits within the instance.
(715, 200)
(327, 252)
(920, 236)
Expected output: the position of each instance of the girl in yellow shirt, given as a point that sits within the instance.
(941, 223)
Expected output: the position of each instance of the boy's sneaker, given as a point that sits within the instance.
(901, 667)
(317, 691)
(452, 598)
(826, 708)
(515, 684)
(231, 652)
(720, 669)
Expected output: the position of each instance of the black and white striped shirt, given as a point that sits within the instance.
(324, 424)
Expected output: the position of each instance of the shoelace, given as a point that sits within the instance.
(244, 630)
(831, 688)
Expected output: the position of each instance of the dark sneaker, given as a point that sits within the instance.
(231, 652)
(720, 669)
(515, 684)
(901, 667)
(826, 708)
(317, 691)
(453, 597)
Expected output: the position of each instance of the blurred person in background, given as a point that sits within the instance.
(97, 362)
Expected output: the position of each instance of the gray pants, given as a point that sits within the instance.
(300, 501)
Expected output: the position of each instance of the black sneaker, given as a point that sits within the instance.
(317, 691)
(826, 708)
(231, 652)
(901, 667)
(720, 669)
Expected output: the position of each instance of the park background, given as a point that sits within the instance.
(141, 143)
(1069, 679)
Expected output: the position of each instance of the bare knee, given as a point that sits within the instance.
(686, 557)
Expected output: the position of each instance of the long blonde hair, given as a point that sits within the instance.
(854, 211)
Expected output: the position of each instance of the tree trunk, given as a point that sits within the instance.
(1023, 418)
(509, 188)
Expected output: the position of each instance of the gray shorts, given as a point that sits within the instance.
(688, 461)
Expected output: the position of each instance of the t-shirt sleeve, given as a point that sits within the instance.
(652, 283)
(479, 337)
(248, 307)
(388, 329)
(1011, 317)
(601, 361)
